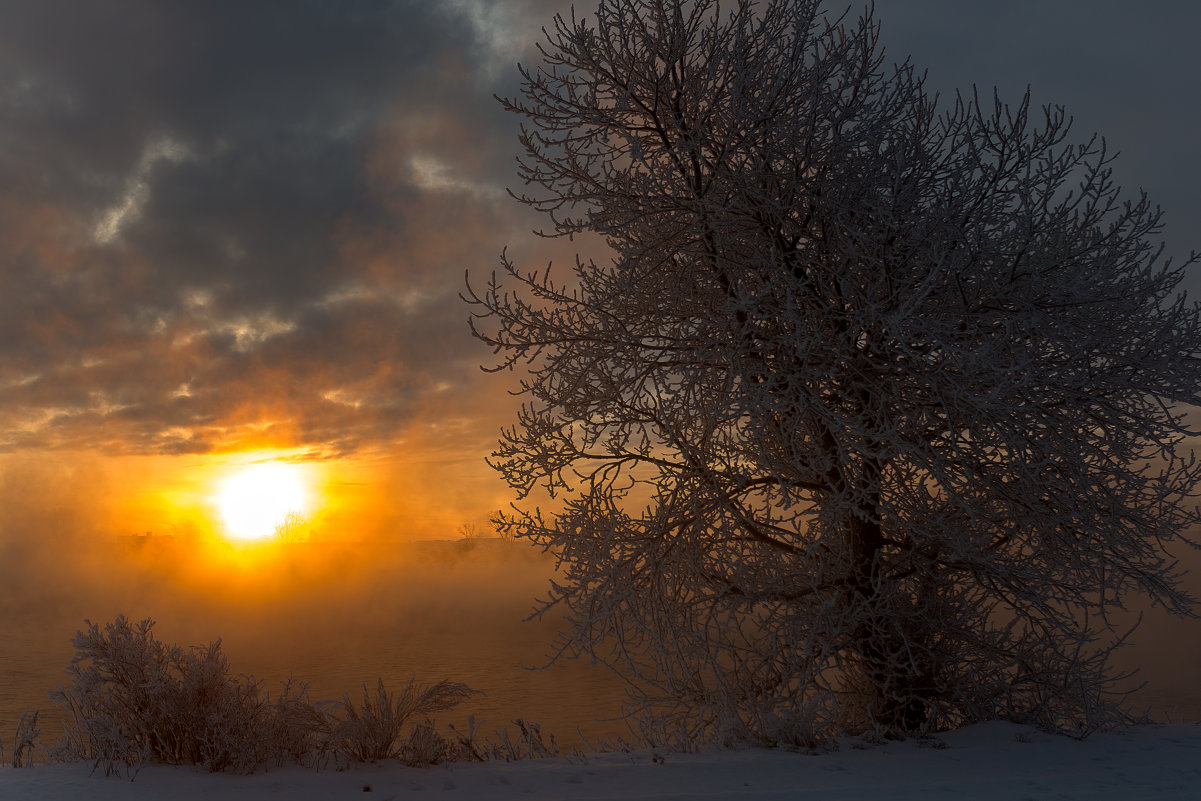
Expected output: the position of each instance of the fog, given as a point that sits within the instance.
(333, 614)
(338, 614)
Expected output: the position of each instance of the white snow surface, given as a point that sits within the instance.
(985, 761)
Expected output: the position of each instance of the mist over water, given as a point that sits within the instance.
(336, 615)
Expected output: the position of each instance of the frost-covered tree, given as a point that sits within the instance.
(873, 410)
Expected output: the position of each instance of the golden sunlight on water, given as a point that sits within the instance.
(334, 615)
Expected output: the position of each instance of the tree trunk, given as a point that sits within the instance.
(881, 639)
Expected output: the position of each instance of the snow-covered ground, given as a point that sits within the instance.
(986, 761)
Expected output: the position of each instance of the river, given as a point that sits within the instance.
(341, 615)
(335, 616)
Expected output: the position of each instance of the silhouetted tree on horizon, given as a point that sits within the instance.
(876, 411)
(290, 527)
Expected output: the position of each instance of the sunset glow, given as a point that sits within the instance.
(394, 342)
(256, 499)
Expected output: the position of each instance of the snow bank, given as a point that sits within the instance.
(986, 761)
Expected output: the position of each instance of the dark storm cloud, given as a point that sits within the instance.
(224, 224)
(217, 218)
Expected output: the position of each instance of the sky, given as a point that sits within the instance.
(231, 231)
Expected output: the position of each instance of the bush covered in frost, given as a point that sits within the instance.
(133, 699)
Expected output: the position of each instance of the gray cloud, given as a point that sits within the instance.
(224, 221)
(219, 215)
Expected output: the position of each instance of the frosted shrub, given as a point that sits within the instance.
(294, 729)
(373, 730)
(528, 744)
(134, 699)
(426, 746)
(221, 717)
(24, 740)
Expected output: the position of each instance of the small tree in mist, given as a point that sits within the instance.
(291, 527)
(876, 412)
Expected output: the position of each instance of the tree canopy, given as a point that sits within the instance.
(874, 409)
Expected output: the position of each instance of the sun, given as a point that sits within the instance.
(255, 499)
